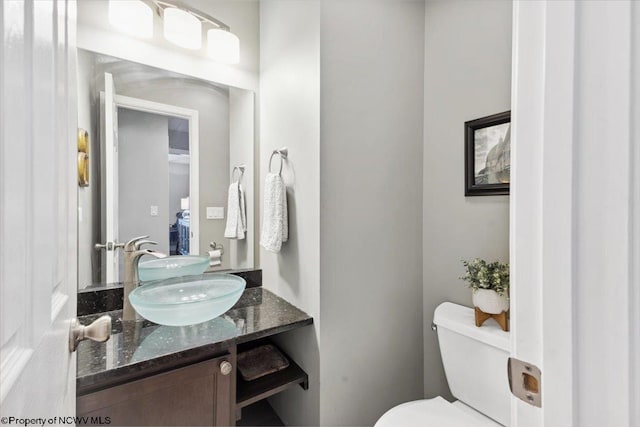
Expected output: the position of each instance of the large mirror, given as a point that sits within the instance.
(162, 151)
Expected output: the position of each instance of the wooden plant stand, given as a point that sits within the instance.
(502, 318)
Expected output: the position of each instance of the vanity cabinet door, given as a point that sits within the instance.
(202, 394)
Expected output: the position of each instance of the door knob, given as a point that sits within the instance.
(99, 330)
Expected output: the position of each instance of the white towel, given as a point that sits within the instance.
(236, 214)
(275, 227)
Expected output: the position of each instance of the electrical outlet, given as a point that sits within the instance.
(215, 212)
(154, 210)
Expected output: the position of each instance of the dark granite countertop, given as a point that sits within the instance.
(138, 349)
(101, 297)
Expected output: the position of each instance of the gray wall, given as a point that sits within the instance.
(371, 219)
(290, 116)
(467, 75)
(241, 253)
(355, 202)
(143, 146)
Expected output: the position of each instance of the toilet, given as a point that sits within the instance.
(475, 363)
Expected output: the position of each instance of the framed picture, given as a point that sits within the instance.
(487, 155)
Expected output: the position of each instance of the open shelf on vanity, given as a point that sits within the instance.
(248, 392)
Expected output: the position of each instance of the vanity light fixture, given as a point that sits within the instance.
(182, 28)
(133, 17)
(223, 46)
(182, 24)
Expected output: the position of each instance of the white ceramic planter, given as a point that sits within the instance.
(489, 301)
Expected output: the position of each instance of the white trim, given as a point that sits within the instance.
(634, 217)
(149, 53)
(634, 291)
(525, 199)
(146, 106)
(194, 144)
(194, 184)
(110, 159)
(558, 243)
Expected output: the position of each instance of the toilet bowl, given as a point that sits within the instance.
(435, 412)
(475, 363)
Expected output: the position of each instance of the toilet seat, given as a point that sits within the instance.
(435, 412)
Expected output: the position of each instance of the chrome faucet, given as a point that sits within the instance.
(132, 254)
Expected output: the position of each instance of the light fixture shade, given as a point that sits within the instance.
(182, 28)
(132, 17)
(223, 46)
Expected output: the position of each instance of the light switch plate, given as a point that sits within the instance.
(154, 210)
(215, 212)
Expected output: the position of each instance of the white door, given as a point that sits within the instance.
(109, 151)
(575, 210)
(38, 207)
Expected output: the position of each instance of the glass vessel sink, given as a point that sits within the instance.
(187, 300)
(172, 266)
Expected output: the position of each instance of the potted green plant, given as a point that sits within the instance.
(490, 285)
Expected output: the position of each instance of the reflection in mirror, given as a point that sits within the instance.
(162, 147)
(158, 143)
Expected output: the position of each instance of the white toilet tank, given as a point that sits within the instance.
(475, 360)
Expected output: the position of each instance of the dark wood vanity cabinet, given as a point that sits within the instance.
(201, 394)
(184, 376)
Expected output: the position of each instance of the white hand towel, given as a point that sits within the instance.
(275, 222)
(236, 215)
(233, 207)
(243, 211)
(285, 217)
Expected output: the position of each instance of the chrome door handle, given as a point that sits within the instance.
(99, 330)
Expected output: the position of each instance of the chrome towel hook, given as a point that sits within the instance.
(240, 169)
(284, 154)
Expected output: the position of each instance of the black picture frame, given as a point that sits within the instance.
(495, 146)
